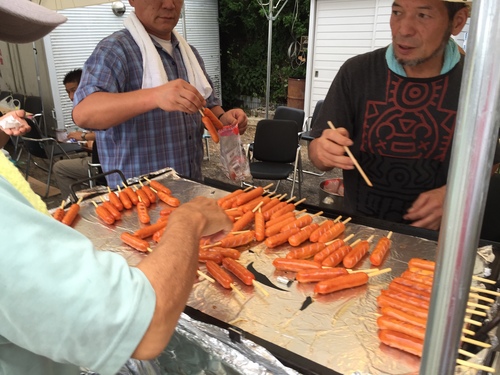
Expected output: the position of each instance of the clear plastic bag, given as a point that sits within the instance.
(232, 154)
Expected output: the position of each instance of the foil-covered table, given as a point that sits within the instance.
(338, 332)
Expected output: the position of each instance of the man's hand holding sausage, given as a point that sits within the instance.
(427, 210)
(327, 151)
(171, 267)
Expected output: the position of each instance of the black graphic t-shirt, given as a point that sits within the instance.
(402, 129)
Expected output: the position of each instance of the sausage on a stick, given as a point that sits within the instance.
(294, 265)
(70, 215)
(59, 212)
(351, 280)
(136, 243)
(280, 238)
(358, 252)
(127, 203)
(303, 234)
(380, 251)
(239, 271)
(315, 275)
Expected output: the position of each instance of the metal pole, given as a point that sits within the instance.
(39, 82)
(269, 49)
(475, 139)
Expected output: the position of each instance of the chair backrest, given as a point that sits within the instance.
(21, 99)
(319, 103)
(276, 141)
(35, 148)
(33, 104)
(289, 113)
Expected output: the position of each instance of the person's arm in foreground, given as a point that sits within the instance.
(6, 133)
(103, 110)
(171, 268)
(427, 210)
(327, 151)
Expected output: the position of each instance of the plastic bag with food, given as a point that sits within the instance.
(232, 154)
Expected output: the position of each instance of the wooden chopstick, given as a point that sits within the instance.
(356, 164)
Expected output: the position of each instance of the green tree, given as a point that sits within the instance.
(243, 28)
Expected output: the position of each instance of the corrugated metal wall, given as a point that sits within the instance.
(70, 44)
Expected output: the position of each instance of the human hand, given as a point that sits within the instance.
(206, 215)
(236, 115)
(77, 136)
(179, 95)
(23, 126)
(327, 151)
(427, 210)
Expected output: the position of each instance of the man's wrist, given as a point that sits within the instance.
(84, 135)
(222, 114)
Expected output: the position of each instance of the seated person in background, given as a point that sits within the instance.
(68, 171)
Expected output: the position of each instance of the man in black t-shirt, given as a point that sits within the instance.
(395, 108)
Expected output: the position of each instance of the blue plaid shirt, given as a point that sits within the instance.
(153, 140)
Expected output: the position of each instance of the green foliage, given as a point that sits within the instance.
(243, 28)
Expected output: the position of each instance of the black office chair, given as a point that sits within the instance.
(276, 153)
(45, 150)
(95, 168)
(310, 121)
(290, 113)
(33, 105)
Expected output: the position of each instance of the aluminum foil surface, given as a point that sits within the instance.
(338, 330)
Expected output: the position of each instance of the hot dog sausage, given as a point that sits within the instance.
(323, 227)
(249, 195)
(136, 243)
(336, 257)
(127, 203)
(214, 256)
(215, 121)
(280, 238)
(253, 203)
(422, 264)
(269, 212)
(412, 284)
(219, 274)
(142, 213)
(243, 221)
(276, 228)
(238, 270)
(229, 196)
(70, 215)
(143, 197)
(424, 279)
(260, 229)
(157, 235)
(380, 250)
(301, 222)
(387, 322)
(150, 193)
(314, 275)
(294, 265)
(327, 251)
(419, 302)
(115, 200)
(280, 219)
(341, 282)
(104, 215)
(210, 128)
(238, 239)
(353, 257)
(112, 210)
(272, 203)
(168, 199)
(302, 235)
(404, 317)
(227, 252)
(385, 301)
(401, 341)
(59, 212)
(333, 232)
(149, 230)
(410, 291)
(131, 194)
(289, 207)
(158, 186)
(305, 252)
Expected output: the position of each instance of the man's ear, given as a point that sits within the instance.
(459, 21)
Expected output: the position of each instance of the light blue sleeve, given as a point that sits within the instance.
(62, 299)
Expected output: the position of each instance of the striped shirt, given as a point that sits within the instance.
(153, 140)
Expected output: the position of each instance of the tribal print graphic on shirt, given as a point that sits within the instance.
(405, 141)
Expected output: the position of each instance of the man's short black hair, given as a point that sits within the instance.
(453, 8)
(73, 76)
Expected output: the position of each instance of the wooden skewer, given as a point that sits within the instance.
(475, 342)
(473, 322)
(291, 199)
(345, 239)
(233, 287)
(260, 288)
(466, 353)
(150, 250)
(486, 291)
(468, 332)
(337, 219)
(258, 207)
(282, 197)
(475, 366)
(268, 186)
(370, 238)
(201, 112)
(475, 312)
(356, 164)
(367, 270)
(79, 200)
(299, 202)
(380, 272)
(205, 276)
(482, 279)
(481, 298)
(389, 235)
(477, 305)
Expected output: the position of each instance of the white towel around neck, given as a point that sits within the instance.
(153, 71)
